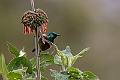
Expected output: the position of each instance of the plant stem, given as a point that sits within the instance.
(4, 77)
(32, 5)
(36, 46)
(37, 54)
(63, 68)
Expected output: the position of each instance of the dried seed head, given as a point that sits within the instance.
(34, 19)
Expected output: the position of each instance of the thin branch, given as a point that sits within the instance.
(37, 54)
(36, 46)
(32, 5)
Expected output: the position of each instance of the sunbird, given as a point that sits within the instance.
(45, 41)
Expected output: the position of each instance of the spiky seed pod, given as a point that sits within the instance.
(34, 19)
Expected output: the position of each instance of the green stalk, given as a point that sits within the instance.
(4, 77)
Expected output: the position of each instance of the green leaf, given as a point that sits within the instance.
(33, 62)
(74, 76)
(13, 49)
(14, 76)
(3, 68)
(65, 72)
(45, 60)
(79, 55)
(58, 76)
(58, 51)
(63, 56)
(53, 73)
(67, 52)
(30, 78)
(20, 70)
(43, 78)
(42, 68)
(64, 61)
(76, 70)
(26, 63)
(82, 52)
(14, 64)
(57, 60)
(67, 57)
(74, 73)
(89, 76)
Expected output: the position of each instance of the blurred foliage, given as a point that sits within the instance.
(21, 67)
(81, 23)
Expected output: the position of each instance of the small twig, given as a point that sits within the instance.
(32, 5)
(53, 51)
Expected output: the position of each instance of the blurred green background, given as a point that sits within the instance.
(82, 23)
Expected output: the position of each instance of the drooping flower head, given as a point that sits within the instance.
(34, 19)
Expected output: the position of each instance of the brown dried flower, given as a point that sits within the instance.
(34, 19)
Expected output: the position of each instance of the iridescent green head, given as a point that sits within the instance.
(51, 36)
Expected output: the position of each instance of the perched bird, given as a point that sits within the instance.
(51, 36)
(46, 40)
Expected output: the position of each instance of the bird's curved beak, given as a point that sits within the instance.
(58, 35)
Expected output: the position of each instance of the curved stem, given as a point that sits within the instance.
(32, 5)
